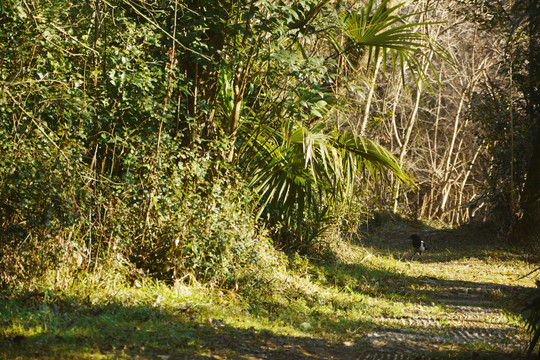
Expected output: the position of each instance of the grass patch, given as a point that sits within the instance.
(302, 303)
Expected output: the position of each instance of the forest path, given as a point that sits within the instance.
(458, 307)
(465, 281)
(471, 326)
(470, 321)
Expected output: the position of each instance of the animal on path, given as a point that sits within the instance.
(418, 244)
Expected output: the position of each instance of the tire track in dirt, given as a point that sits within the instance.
(470, 324)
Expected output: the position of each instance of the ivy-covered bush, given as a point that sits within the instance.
(506, 159)
(193, 224)
(43, 199)
(179, 221)
(103, 154)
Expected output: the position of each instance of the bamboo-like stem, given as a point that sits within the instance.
(412, 122)
(466, 177)
(394, 107)
(370, 95)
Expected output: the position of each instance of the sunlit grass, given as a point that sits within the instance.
(110, 314)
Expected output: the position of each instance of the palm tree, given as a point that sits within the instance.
(303, 173)
(298, 163)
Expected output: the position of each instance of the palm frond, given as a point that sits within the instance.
(381, 32)
(300, 164)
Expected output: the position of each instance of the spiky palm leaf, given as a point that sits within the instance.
(382, 32)
(298, 167)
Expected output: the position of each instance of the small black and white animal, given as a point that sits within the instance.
(418, 244)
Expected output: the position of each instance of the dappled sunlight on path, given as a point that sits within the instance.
(458, 300)
(462, 276)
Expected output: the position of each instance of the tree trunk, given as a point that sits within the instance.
(527, 227)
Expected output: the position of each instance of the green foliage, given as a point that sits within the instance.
(209, 234)
(94, 156)
(506, 111)
(492, 115)
(303, 170)
(384, 33)
(42, 197)
(156, 131)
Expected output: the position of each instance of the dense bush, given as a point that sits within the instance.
(507, 157)
(185, 221)
(43, 198)
(194, 224)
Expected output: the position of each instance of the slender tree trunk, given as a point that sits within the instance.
(394, 107)
(412, 122)
(370, 95)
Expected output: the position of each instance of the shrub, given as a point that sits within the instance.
(40, 200)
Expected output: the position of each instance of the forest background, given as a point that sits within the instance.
(191, 139)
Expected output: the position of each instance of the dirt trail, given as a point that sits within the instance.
(473, 324)
(470, 320)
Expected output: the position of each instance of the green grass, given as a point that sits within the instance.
(107, 315)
